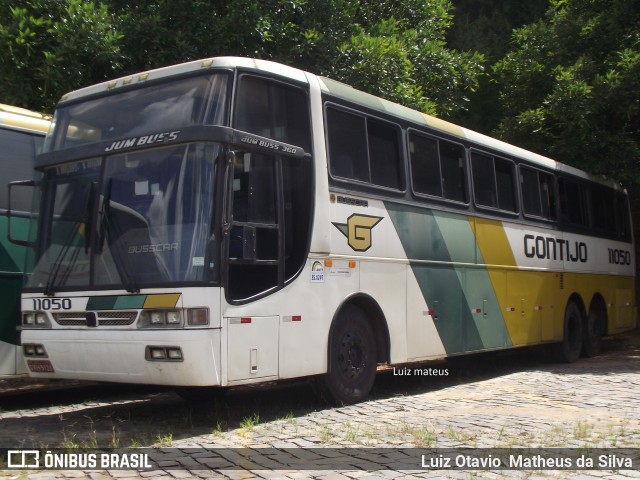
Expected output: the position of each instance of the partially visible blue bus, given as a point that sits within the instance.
(22, 133)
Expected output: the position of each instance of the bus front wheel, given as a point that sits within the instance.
(570, 348)
(352, 358)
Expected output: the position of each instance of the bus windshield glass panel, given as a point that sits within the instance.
(151, 217)
(156, 108)
(64, 257)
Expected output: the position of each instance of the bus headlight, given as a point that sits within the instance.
(174, 317)
(157, 318)
(160, 319)
(158, 353)
(34, 350)
(192, 317)
(35, 320)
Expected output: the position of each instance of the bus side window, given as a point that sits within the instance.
(504, 185)
(548, 195)
(437, 168)
(17, 160)
(493, 182)
(602, 202)
(623, 222)
(384, 154)
(274, 110)
(484, 186)
(538, 193)
(347, 145)
(572, 202)
(425, 166)
(363, 149)
(452, 162)
(531, 194)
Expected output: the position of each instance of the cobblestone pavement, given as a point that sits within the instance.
(507, 400)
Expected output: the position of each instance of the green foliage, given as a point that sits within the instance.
(411, 66)
(48, 47)
(392, 48)
(570, 86)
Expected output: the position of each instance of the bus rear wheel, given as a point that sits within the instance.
(569, 349)
(352, 358)
(593, 331)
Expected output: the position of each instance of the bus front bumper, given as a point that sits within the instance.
(153, 357)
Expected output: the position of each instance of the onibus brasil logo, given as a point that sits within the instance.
(358, 231)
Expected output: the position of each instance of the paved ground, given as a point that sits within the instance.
(497, 401)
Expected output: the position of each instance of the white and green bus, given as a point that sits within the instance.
(21, 136)
(230, 221)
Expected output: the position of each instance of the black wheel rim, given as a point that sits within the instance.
(352, 355)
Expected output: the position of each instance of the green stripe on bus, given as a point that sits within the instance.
(101, 303)
(116, 302)
(443, 253)
(129, 301)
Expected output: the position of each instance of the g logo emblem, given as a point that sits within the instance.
(358, 231)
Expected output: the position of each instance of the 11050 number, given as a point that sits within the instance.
(51, 303)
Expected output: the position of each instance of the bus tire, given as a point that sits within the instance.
(352, 360)
(569, 349)
(593, 331)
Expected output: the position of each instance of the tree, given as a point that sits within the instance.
(48, 47)
(570, 86)
(485, 26)
(397, 50)
(392, 48)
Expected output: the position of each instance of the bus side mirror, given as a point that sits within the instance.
(14, 223)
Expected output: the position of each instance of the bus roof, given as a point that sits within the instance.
(189, 67)
(22, 119)
(343, 91)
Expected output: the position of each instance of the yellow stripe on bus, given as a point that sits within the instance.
(165, 300)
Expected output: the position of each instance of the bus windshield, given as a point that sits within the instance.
(148, 223)
(137, 217)
(154, 108)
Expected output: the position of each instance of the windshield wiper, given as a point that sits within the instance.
(66, 246)
(109, 231)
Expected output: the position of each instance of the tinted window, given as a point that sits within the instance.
(531, 202)
(437, 168)
(504, 184)
(425, 165)
(453, 172)
(17, 156)
(484, 185)
(273, 110)
(347, 145)
(538, 193)
(384, 158)
(602, 204)
(155, 108)
(623, 222)
(493, 182)
(573, 206)
(364, 149)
